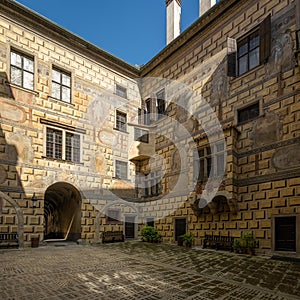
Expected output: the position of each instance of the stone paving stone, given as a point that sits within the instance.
(137, 270)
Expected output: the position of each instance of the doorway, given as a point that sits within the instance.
(130, 227)
(180, 227)
(285, 234)
(62, 212)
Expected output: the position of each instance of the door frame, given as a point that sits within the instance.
(273, 235)
(186, 225)
(134, 224)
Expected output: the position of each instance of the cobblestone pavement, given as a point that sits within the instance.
(137, 270)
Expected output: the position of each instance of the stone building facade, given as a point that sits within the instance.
(204, 138)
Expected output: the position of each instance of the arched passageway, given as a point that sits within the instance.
(62, 212)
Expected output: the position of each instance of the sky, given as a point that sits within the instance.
(132, 30)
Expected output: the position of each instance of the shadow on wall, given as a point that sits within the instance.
(11, 190)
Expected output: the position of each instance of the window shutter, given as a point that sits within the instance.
(231, 64)
(265, 39)
(231, 57)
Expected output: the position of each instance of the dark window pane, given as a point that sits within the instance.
(243, 65)
(248, 113)
(243, 48)
(254, 58)
(254, 41)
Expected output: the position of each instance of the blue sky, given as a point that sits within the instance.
(133, 30)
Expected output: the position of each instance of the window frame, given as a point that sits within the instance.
(207, 163)
(121, 91)
(22, 68)
(112, 220)
(118, 121)
(62, 73)
(121, 163)
(246, 108)
(161, 104)
(153, 186)
(246, 40)
(264, 32)
(63, 156)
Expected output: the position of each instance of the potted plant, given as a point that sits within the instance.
(237, 247)
(150, 234)
(187, 239)
(248, 243)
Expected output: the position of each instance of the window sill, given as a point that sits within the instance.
(250, 120)
(122, 179)
(22, 88)
(246, 74)
(125, 132)
(62, 160)
(61, 102)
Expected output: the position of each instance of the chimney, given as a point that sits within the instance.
(205, 5)
(173, 19)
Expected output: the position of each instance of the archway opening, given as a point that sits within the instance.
(62, 212)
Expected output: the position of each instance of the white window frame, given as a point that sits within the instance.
(64, 135)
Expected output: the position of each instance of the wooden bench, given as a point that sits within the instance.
(218, 242)
(112, 236)
(9, 240)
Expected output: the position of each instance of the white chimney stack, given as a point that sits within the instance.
(173, 19)
(205, 5)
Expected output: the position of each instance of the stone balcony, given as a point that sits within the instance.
(143, 145)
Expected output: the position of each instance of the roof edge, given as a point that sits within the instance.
(46, 27)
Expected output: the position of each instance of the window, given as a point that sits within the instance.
(121, 121)
(141, 135)
(160, 104)
(113, 216)
(61, 85)
(249, 51)
(208, 163)
(121, 91)
(147, 111)
(21, 70)
(121, 169)
(152, 184)
(248, 113)
(156, 108)
(150, 221)
(61, 144)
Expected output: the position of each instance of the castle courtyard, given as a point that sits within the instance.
(138, 270)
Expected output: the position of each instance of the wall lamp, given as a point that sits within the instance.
(34, 199)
